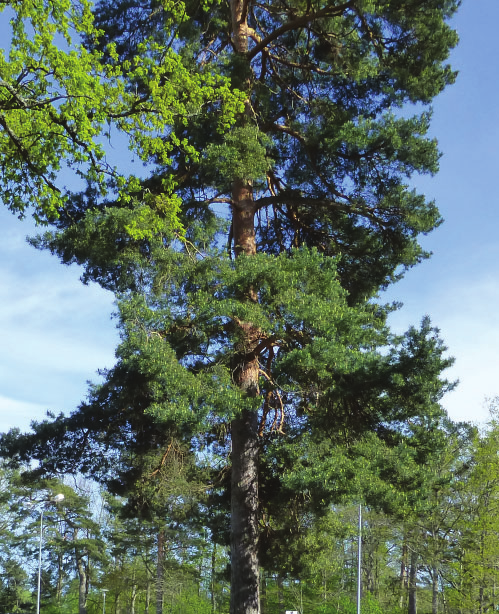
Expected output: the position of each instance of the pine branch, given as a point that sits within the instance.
(299, 22)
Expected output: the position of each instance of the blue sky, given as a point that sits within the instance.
(459, 286)
(55, 333)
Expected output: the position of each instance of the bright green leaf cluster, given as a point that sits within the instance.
(58, 100)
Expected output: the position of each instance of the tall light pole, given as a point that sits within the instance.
(104, 591)
(57, 499)
(359, 561)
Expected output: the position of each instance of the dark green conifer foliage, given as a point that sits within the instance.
(252, 334)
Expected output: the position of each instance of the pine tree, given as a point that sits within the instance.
(301, 169)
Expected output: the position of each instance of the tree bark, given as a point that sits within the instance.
(160, 572)
(243, 218)
(133, 598)
(403, 575)
(82, 583)
(245, 580)
(434, 591)
(60, 573)
(212, 578)
(413, 573)
(245, 598)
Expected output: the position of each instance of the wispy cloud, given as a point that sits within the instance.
(18, 414)
(55, 332)
(466, 316)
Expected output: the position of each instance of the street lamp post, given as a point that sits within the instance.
(359, 561)
(57, 499)
(104, 591)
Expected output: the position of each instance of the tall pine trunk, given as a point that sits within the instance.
(434, 592)
(60, 578)
(245, 581)
(212, 578)
(413, 577)
(160, 572)
(82, 583)
(403, 575)
(244, 520)
(245, 598)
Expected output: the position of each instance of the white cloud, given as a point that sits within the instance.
(55, 332)
(14, 413)
(466, 315)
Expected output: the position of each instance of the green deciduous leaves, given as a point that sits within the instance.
(46, 94)
(59, 100)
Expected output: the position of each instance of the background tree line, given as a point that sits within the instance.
(432, 550)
